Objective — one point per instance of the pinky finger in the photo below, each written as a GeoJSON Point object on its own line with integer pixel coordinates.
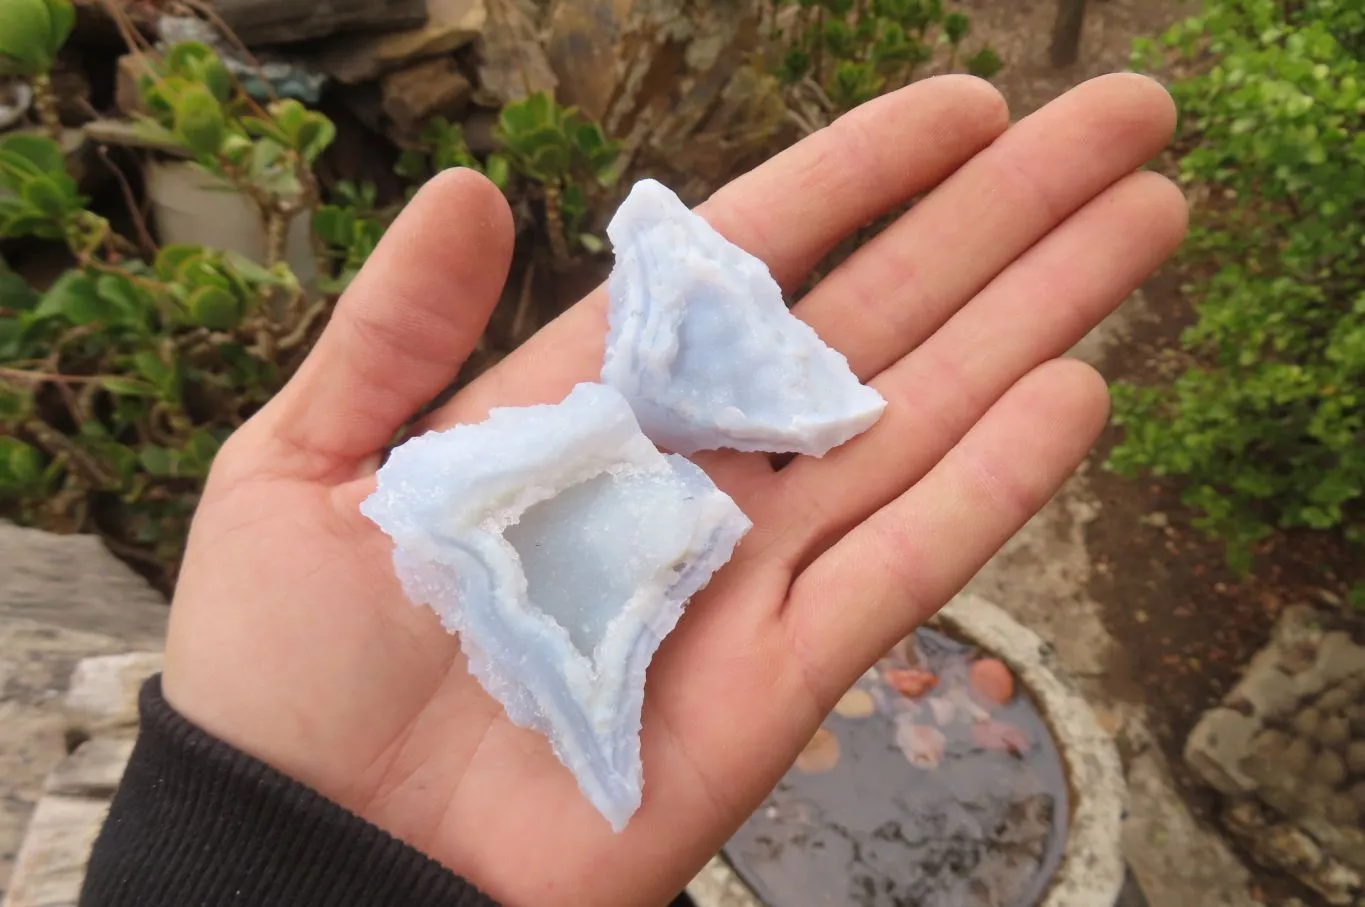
{"type": "Point", "coordinates": [891, 573]}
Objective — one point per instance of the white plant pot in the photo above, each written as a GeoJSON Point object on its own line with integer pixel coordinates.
{"type": "Point", "coordinates": [193, 206]}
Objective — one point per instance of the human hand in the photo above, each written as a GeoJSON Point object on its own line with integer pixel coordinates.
{"type": "Point", "coordinates": [290, 638]}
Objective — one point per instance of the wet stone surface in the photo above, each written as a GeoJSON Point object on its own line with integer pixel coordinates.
{"type": "Point", "coordinates": [921, 788]}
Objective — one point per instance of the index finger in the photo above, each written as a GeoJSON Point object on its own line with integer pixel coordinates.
{"type": "Point", "coordinates": [789, 212]}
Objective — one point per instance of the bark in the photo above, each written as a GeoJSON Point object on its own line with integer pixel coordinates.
{"type": "Point", "coordinates": [1066, 32]}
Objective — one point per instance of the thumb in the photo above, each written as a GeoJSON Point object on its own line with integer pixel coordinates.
{"type": "Point", "coordinates": [399, 333]}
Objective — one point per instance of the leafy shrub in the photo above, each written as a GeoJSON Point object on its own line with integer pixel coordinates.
{"type": "Point", "coordinates": [858, 50]}
{"type": "Point", "coordinates": [121, 380]}
{"type": "Point", "coordinates": [1266, 425]}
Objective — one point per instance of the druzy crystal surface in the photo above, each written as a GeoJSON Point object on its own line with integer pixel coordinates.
{"type": "Point", "coordinates": [561, 546]}
{"type": "Point", "coordinates": [704, 348]}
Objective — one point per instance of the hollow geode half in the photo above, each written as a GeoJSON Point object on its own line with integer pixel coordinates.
{"type": "Point", "coordinates": [705, 349]}
{"type": "Point", "coordinates": [561, 546]}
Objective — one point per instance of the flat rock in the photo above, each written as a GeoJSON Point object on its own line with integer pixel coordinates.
{"type": "Point", "coordinates": [450, 25]}
{"type": "Point", "coordinates": [510, 61]}
{"type": "Point", "coordinates": [419, 92]}
{"type": "Point", "coordinates": [675, 80]}
{"type": "Point", "coordinates": [94, 769]}
{"type": "Point", "coordinates": [51, 866]}
{"type": "Point", "coordinates": [1217, 746]}
{"type": "Point", "coordinates": [104, 691]}
{"type": "Point", "coordinates": [283, 21]}
{"type": "Point", "coordinates": [62, 599]}
{"type": "Point", "coordinates": [73, 582]}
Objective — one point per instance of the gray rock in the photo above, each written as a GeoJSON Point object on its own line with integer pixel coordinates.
{"type": "Point", "coordinates": [1339, 658]}
{"type": "Point", "coordinates": [282, 21]}
{"type": "Point", "coordinates": [511, 64]}
{"type": "Point", "coordinates": [51, 866]}
{"type": "Point", "coordinates": [73, 582]}
{"type": "Point", "coordinates": [1217, 746]}
{"type": "Point", "coordinates": [449, 26]}
{"type": "Point", "coordinates": [424, 90]}
{"type": "Point", "coordinates": [93, 770]}
{"type": "Point", "coordinates": [1355, 757]}
{"type": "Point", "coordinates": [62, 599]}
{"type": "Point", "coordinates": [104, 691]}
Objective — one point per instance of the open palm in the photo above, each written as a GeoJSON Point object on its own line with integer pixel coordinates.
{"type": "Point", "coordinates": [291, 639]}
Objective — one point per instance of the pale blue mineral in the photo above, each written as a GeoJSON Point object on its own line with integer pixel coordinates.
{"type": "Point", "coordinates": [561, 546]}
{"type": "Point", "coordinates": [704, 348]}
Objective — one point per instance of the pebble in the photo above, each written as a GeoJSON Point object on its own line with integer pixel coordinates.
{"type": "Point", "coordinates": [855, 703]}
{"type": "Point", "coordinates": [911, 682]}
{"type": "Point", "coordinates": [1343, 811]}
{"type": "Point", "coordinates": [1356, 714]}
{"type": "Point", "coordinates": [1358, 795]}
{"type": "Point", "coordinates": [1315, 798]}
{"type": "Point", "coordinates": [1328, 769]}
{"type": "Point", "coordinates": [1307, 721]}
{"type": "Point", "coordinates": [992, 681]}
{"type": "Point", "coordinates": [1334, 700]}
{"type": "Point", "coordinates": [1355, 757]}
{"type": "Point", "coordinates": [1297, 756]}
{"type": "Point", "coordinates": [821, 754]}
{"type": "Point", "coordinates": [1334, 731]}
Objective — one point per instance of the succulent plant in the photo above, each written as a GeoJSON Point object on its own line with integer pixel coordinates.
{"type": "Point", "coordinates": [31, 33]}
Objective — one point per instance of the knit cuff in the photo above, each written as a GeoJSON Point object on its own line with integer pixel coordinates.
{"type": "Point", "coordinates": [195, 821]}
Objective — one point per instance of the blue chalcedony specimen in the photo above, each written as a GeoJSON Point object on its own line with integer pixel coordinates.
{"type": "Point", "coordinates": [704, 348]}
{"type": "Point", "coordinates": [561, 546]}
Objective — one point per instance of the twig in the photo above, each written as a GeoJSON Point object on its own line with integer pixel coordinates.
{"type": "Point", "coordinates": [523, 303]}
{"type": "Point", "coordinates": [144, 236]}
{"type": "Point", "coordinates": [301, 330]}
{"type": "Point", "coordinates": [58, 444]}
{"type": "Point", "coordinates": [17, 374]}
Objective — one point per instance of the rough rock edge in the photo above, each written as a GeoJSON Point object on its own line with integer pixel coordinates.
{"type": "Point", "coordinates": [49, 867]}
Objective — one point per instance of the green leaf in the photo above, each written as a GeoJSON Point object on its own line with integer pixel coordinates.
{"type": "Point", "coordinates": [15, 404]}
{"type": "Point", "coordinates": [313, 136]}
{"type": "Point", "coordinates": [199, 120]}
{"type": "Point", "coordinates": [985, 63]}
{"type": "Point", "coordinates": [15, 293]}
{"type": "Point", "coordinates": [154, 369]}
{"type": "Point", "coordinates": [25, 38]}
{"type": "Point", "coordinates": [214, 308]}
{"type": "Point", "coordinates": [122, 296]}
{"type": "Point", "coordinates": [21, 465]}
{"type": "Point", "coordinates": [333, 225]}
{"type": "Point", "coordinates": [159, 461]}
{"type": "Point", "coordinates": [200, 449]}
{"type": "Point", "coordinates": [956, 26]}
{"type": "Point", "coordinates": [498, 171]}
{"type": "Point", "coordinates": [62, 14]}
{"type": "Point", "coordinates": [74, 297]}
{"type": "Point", "coordinates": [173, 257]}
{"type": "Point", "coordinates": [40, 153]}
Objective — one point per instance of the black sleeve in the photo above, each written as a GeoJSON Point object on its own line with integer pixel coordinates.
{"type": "Point", "coordinates": [197, 822]}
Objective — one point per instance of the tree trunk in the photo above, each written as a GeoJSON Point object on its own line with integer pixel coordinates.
{"type": "Point", "coordinates": [1066, 32]}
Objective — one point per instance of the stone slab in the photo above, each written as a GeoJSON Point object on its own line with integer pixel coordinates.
{"type": "Point", "coordinates": [51, 865]}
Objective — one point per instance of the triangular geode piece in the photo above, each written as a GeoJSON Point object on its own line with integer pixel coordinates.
{"type": "Point", "coordinates": [561, 546]}
{"type": "Point", "coordinates": [704, 348]}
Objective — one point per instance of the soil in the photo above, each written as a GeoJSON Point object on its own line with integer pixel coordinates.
{"type": "Point", "coordinates": [1188, 623]}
